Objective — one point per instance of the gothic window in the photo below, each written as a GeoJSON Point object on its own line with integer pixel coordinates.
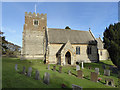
{"type": "Point", "coordinates": [35, 22]}
{"type": "Point", "coordinates": [89, 51]}
{"type": "Point", "coordinates": [78, 50]}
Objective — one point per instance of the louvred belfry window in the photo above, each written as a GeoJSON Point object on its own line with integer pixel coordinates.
{"type": "Point", "coordinates": [36, 22]}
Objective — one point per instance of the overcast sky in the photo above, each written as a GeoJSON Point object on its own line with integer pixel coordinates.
{"type": "Point", "coordinates": [76, 15]}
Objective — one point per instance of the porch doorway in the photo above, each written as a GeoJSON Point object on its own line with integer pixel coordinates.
{"type": "Point", "coordinates": [68, 58]}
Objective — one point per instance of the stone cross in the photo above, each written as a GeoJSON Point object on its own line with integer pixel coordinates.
{"type": "Point", "coordinates": [60, 69]}
{"type": "Point", "coordinates": [82, 65]}
{"type": "Point", "coordinates": [29, 72]}
{"type": "Point", "coordinates": [77, 67]}
{"type": "Point", "coordinates": [37, 75]}
{"type": "Point", "coordinates": [24, 72]}
{"type": "Point", "coordinates": [79, 74]}
{"type": "Point", "coordinates": [97, 70]}
{"type": "Point", "coordinates": [76, 87]}
{"type": "Point", "coordinates": [16, 67]}
{"type": "Point", "coordinates": [54, 68]}
{"type": "Point", "coordinates": [107, 72]}
{"type": "Point", "coordinates": [46, 78]}
{"type": "Point", "coordinates": [94, 77]}
{"type": "Point", "coordinates": [69, 72]}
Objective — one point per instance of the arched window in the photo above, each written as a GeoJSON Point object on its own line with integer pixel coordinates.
{"type": "Point", "coordinates": [78, 50]}
{"type": "Point", "coordinates": [89, 50]}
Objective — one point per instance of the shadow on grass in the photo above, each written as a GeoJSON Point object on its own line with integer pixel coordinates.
{"type": "Point", "coordinates": [86, 77]}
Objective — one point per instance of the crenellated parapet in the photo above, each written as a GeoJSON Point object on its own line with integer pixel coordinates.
{"type": "Point", "coordinates": [35, 15]}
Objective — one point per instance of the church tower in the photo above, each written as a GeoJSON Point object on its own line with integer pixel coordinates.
{"type": "Point", "coordinates": [33, 36]}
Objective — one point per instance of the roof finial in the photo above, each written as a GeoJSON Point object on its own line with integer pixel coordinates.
{"type": "Point", "coordinates": [35, 8]}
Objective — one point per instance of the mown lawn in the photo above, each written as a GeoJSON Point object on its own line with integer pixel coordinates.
{"type": "Point", "coordinates": [13, 79]}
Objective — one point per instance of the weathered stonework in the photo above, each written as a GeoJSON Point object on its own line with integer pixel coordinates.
{"type": "Point", "coordinates": [55, 46]}
{"type": "Point", "coordinates": [103, 53]}
{"type": "Point", "coordinates": [33, 36]}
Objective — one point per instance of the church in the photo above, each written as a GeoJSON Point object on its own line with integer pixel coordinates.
{"type": "Point", "coordinates": [54, 45]}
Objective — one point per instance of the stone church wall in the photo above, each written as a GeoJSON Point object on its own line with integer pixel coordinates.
{"type": "Point", "coordinates": [53, 49]}
{"type": "Point", "coordinates": [103, 54]}
{"type": "Point", "coordinates": [33, 36]}
{"type": "Point", "coordinates": [83, 53]}
{"type": "Point", "coordinates": [33, 45]}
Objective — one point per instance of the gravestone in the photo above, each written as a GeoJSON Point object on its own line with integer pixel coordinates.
{"type": "Point", "coordinates": [69, 72]}
{"type": "Point", "coordinates": [79, 74]}
{"type": "Point", "coordinates": [37, 75]}
{"type": "Point", "coordinates": [24, 71]}
{"type": "Point", "coordinates": [77, 67]}
{"type": "Point", "coordinates": [46, 78]}
{"type": "Point", "coordinates": [48, 66]}
{"type": "Point", "coordinates": [54, 68]}
{"type": "Point", "coordinates": [109, 81]}
{"type": "Point", "coordinates": [94, 77]}
{"type": "Point", "coordinates": [60, 69]}
{"type": "Point", "coordinates": [97, 70]}
{"type": "Point", "coordinates": [107, 72]}
{"type": "Point", "coordinates": [16, 67]}
{"type": "Point", "coordinates": [29, 72]}
{"type": "Point", "coordinates": [76, 87]}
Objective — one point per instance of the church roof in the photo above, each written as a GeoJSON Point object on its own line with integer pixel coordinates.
{"type": "Point", "coordinates": [74, 36]}
{"type": "Point", "coordinates": [99, 43]}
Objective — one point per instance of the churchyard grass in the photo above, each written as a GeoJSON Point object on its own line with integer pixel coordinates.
{"type": "Point", "coordinates": [13, 79]}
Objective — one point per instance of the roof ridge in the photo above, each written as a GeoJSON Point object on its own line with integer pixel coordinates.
{"type": "Point", "coordinates": [66, 29]}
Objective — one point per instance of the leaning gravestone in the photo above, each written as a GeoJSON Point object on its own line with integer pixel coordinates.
{"type": "Point", "coordinates": [76, 87]}
{"type": "Point", "coordinates": [37, 75]}
{"type": "Point", "coordinates": [29, 72]}
{"type": "Point", "coordinates": [60, 69]}
{"type": "Point", "coordinates": [77, 67]}
{"type": "Point", "coordinates": [16, 67]}
{"type": "Point", "coordinates": [69, 72]}
{"type": "Point", "coordinates": [48, 67]}
{"type": "Point", "coordinates": [107, 72]}
{"type": "Point", "coordinates": [54, 68]}
{"type": "Point", "coordinates": [79, 74]}
{"type": "Point", "coordinates": [46, 78]}
{"type": "Point", "coordinates": [24, 72]}
{"type": "Point", "coordinates": [94, 76]}
{"type": "Point", "coordinates": [97, 70]}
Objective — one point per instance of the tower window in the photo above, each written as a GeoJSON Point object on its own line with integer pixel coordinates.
{"type": "Point", "coordinates": [35, 22]}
